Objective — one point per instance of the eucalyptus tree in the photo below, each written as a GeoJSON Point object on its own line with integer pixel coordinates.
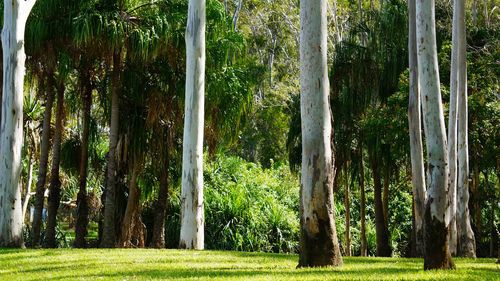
{"type": "Point", "coordinates": [415, 128]}
{"type": "Point", "coordinates": [465, 244]}
{"type": "Point", "coordinates": [16, 14]}
{"type": "Point", "coordinates": [436, 219]}
{"type": "Point", "coordinates": [192, 218]}
{"type": "Point", "coordinates": [318, 244]}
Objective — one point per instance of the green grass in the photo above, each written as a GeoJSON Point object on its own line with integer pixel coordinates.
{"type": "Point", "coordinates": [139, 264]}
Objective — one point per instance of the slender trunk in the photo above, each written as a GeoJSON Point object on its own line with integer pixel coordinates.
{"type": "Point", "coordinates": [42, 169]}
{"type": "Point", "coordinates": [158, 240]}
{"type": "Point", "coordinates": [237, 14]}
{"type": "Point", "coordinates": [132, 212]}
{"type": "Point", "coordinates": [415, 128]}
{"type": "Point", "coordinates": [452, 130]}
{"type": "Point", "coordinates": [466, 243]}
{"type": "Point", "coordinates": [318, 244]}
{"type": "Point", "coordinates": [347, 213]}
{"type": "Point", "coordinates": [192, 218]}
{"type": "Point", "coordinates": [82, 210]}
{"type": "Point", "coordinates": [476, 203]}
{"type": "Point", "coordinates": [382, 232]}
{"type": "Point", "coordinates": [55, 183]}
{"type": "Point", "coordinates": [28, 184]}
{"type": "Point", "coordinates": [364, 243]}
{"type": "Point", "coordinates": [385, 194]}
{"type": "Point", "coordinates": [16, 13]}
{"type": "Point", "coordinates": [109, 231]}
{"type": "Point", "coordinates": [436, 222]}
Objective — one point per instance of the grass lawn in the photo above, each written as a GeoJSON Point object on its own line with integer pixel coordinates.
{"type": "Point", "coordinates": [146, 264]}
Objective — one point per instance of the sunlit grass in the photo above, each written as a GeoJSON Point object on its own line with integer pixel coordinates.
{"type": "Point", "coordinates": [141, 264]}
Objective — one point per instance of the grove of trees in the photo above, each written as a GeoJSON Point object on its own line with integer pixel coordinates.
{"type": "Point", "coordinates": [320, 127]}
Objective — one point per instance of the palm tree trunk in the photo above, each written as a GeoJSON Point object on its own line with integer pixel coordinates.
{"type": "Point", "coordinates": [364, 243]}
{"type": "Point", "coordinates": [109, 231]}
{"type": "Point", "coordinates": [158, 240]}
{"type": "Point", "coordinates": [42, 169]}
{"type": "Point", "coordinates": [82, 213]}
{"type": "Point", "coordinates": [55, 183]}
{"type": "Point", "coordinates": [382, 232]}
{"type": "Point", "coordinates": [29, 180]}
{"type": "Point", "coordinates": [415, 128]}
{"type": "Point", "coordinates": [16, 13]}
{"type": "Point", "coordinates": [385, 194]}
{"type": "Point", "coordinates": [192, 234]}
{"type": "Point", "coordinates": [347, 213]}
{"type": "Point", "coordinates": [132, 212]}
{"type": "Point", "coordinates": [436, 254]}
{"type": "Point", "coordinates": [318, 244]}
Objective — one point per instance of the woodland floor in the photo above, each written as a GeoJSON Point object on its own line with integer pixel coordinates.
{"type": "Point", "coordinates": [147, 264]}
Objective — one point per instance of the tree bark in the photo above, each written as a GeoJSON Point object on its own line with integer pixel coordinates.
{"type": "Point", "coordinates": [55, 183]}
{"type": "Point", "coordinates": [436, 222]}
{"type": "Point", "coordinates": [192, 217]}
{"type": "Point", "coordinates": [415, 128]}
{"type": "Point", "coordinates": [109, 228]}
{"type": "Point", "coordinates": [385, 194]}
{"type": "Point", "coordinates": [131, 218]}
{"type": "Point", "coordinates": [452, 130]}
{"type": "Point", "coordinates": [347, 213]}
{"type": "Point", "coordinates": [382, 232]}
{"type": "Point", "coordinates": [466, 243]}
{"type": "Point", "coordinates": [82, 210]}
{"type": "Point", "coordinates": [158, 240]}
{"type": "Point", "coordinates": [364, 243]}
{"type": "Point", "coordinates": [318, 244]}
{"type": "Point", "coordinates": [16, 13]}
{"type": "Point", "coordinates": [42, 169]}
{"type": "Point", "coordinates": [29, 180]}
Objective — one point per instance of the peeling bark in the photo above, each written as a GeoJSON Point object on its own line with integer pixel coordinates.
{"type": "Point", "coordinates": [318, 244]}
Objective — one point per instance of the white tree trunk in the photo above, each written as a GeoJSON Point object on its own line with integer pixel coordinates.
{"type": "Point", "coordinates": [436, 218]}
{"type": "Point", "coordinates": [28, 186]}
{"type": "Point", "coordinates": [319, 244]}
{"type": "Point", "coordinates": [452, 132]}
{"type": "Point", "coordinates": [192, 217]}
{"type": "Point", "coordinates": [466, 240]}
{"type": "Point", "coordinates": [415, 121]}
{"type": "Point", "coordinates": [11, 128]}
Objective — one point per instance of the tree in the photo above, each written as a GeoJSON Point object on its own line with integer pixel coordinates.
{"type": "Point", "coordinates": [466, 244]}
{"type": "Point", "coordinates": [436, 254]}
{"type": "Point", "coordinates": [416, 147]}
{"type": "Point", "coordinates": [16, 13]}
{"type": "Point", "coordinates": [318, 243]}
{"type": "Point", "coordinates": [192, 218]}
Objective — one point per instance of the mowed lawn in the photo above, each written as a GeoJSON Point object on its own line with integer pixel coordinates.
{"type": "Point", "coordinates": [147, 264]}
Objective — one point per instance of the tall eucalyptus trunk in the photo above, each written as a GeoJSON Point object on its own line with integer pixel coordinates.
{"type": "Point", "coordinates": [452, 130]}
{"type": "Point", "coordinates": [42, 169]}
{"type": "Point", "coordinates": [192, 217]}
{"type": "Point", "coordinates": [15, 15]}
{"type": "Point", "coordinates": [466, 243]}
{"type": "Point", "coordinates": [109, 227]}
{"type": "Point", "coordinates": [318, 244]}
{"type": "Point", "coordinates": [82, 209]}
{"type": "Point", "coordinates": [55, 182]}
{"type": "Point", "coordinates": [436, 255]}
{"type": "Point", "coordinates": [415, 128]}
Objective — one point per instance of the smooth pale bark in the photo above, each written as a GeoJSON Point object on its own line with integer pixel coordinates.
{"type": "Point", "coordinates": [42, 169]}
{"type": "Point", "coordinates": [436, 254]}
{"type": "Point", "coordinates": [31, 164]}
{"type": "Point", "coordinates": [347, 213]}
{"type": "Point", "coordinates": [466, 244]}
{"type": "Point", "coordinates": [109, 230]}
{"type": "Point", "coordinates": [55, 182]}
{"type": "Point", "coordinates": [318, 244]}
{"type": "Point", "coordinates": [82, 210]}
{"type": "Point", "coordinates": [192, 217]}
{"type": "Point", "coordinates": [16, 13]}
{"type": "Point", "coordinates": [415, 128]}
{"type": "Point", "coordinates": [364, 242]}
{"type": "Point", "coordinates": [452, 131]}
